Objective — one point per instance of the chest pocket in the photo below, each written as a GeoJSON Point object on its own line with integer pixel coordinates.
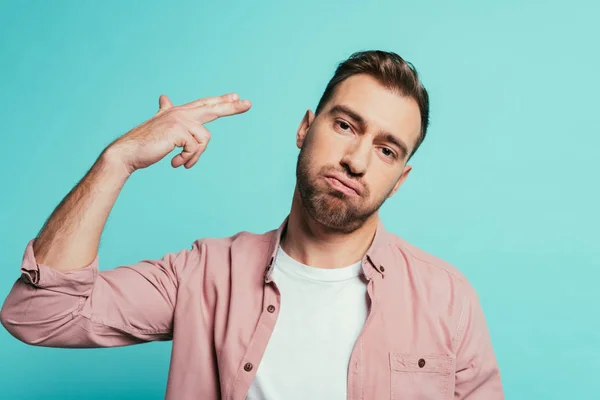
{"type": "Point", "coordinates": [421, 377]}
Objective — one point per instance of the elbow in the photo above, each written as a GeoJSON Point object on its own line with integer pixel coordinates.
{"type": "Point", "coordinates": [17, 329]}
{"type": "Point", "coordinates": [4, 319]}
{"type": "Point", "coordinates": [12, 326]}
{"type": "Point", "coordinates": [23, 324]}
{"type": "Point", "coordinates": [28, 332]}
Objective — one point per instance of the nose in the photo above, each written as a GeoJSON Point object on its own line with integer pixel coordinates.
{"type": "Point", "coordinates": [357, 157]}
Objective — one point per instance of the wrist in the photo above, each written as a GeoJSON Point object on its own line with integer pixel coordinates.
{"type": "Point", "coordinates": [111, 162]}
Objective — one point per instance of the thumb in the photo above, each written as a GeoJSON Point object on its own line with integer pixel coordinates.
{"type": "Point", "coordinates": [164, 103]}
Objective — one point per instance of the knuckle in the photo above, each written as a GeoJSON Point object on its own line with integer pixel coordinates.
{"type": "Point", "coordinates": [193, 145]}
{"type": "Point", "coordinates": [203, 140]}
{"type": "Point", "coordinates": [211, 114]}
{"type": "Point", "coordinates": [176, 113]}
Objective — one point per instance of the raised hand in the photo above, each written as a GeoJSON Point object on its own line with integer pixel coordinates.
{"type": "Point", "coordinates": [174, 126]}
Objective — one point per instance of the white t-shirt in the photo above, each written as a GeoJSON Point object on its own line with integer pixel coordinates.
{"type": "Point", "coordinates": [322, 313]}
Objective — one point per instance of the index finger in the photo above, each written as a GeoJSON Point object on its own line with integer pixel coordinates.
{"type": "Point", "coordinates": [210, 113]}
{"type": "Point", "coordinates": [212, 100]}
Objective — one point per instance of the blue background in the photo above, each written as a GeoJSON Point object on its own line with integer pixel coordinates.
{"type": "Point", "coordinates": [505, 186]}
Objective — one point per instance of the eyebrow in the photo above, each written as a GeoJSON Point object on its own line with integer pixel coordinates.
{"type": "Point", "coordinates": [359, 120]}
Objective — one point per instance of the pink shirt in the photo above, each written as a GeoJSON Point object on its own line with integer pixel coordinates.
{"type": "Point", "coordinates": [425, 336]}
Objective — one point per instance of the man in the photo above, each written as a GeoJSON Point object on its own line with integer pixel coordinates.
{"type": "Point", "coordinates": [328, 306]}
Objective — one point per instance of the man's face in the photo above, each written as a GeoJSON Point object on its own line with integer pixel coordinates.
{"type": "Point", "coordinates": [353, 154]}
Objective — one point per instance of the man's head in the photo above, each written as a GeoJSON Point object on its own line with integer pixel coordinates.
{"type": "Point", "coordinates": [369, 122]}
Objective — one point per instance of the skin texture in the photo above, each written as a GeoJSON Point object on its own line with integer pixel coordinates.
{"type": "Point", "coordinates": [328, 228]}
{"type": "Point", "coordinates": [70, 237]}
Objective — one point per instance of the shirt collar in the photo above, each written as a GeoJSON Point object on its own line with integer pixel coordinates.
{"type": "Point", "coordinates": [372, 262]}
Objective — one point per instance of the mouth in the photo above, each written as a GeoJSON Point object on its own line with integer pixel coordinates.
{"type": "Point", "coordinates": [340, 186]}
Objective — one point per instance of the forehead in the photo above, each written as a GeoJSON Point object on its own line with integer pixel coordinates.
{"type": "Point", "coordinates": [382, 108]}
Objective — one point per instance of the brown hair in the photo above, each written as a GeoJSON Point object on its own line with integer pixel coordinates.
{"type": "Point", "coordinates": [392, 71]}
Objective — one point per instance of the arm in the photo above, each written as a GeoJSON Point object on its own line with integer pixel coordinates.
{"type": "Point", "coordinates": [477, 372]}
{"type": "Point", "coordinates": [61, 299]}
{"type": "Point", "coordinates": [70, 238]}
{"type": "Point", "coordinates": [87, 308]}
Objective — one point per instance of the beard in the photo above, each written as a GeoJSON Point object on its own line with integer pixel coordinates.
{"type": "Point", "coordinates": [328, 206]}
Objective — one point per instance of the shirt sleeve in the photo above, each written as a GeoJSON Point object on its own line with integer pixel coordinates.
{"type": "Point", "coordinates": [87, 308]}
{"type": "Point", "coordinates": [477, 374]}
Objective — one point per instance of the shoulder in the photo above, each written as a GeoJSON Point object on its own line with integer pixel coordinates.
{"type": "Point", "coordinates": [220, 250]}
{"type": "Point", "coordinates": [430, 270]}
{"type": "Point", "coordinates": [239, 240]}
{"type": "Point", "coordinates": [212, 258]}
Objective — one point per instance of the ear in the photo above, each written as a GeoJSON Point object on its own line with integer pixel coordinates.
{"type": "Point", "coordinates": [305, 124]}
{"type": "Point", "coordinates": [407, 169]}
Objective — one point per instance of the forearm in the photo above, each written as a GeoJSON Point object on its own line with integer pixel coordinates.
{"type": "Point", "coordinates": [70, 237]}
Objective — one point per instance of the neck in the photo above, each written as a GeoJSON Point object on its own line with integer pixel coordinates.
{"type": "Point", "coordinates": [311, 243]}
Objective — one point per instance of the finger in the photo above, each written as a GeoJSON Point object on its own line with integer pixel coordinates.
{"type": "Point", "coordinates": [199, 132]}
{"type": "Point", "coordinates": [192, 161]}
{"type": "Point", "coordinates": [190, 146]}
{"type": "Point", "coordinates": [210, 113]}
{"type": "Point", "coordinates": [164, 103]}
{"type": "Point", "coordinates": [202, 135]}
{"type": "Point", "coordinates": [212, 100]}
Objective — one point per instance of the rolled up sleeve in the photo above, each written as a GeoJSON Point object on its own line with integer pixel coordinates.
{"type": "Point", "coordinates": [88, 308]}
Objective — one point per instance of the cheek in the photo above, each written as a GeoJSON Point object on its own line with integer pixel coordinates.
{"type": "Point", "coordinates": [324, 148]}
{"type": "Point", "coordinates": [380, 183]}
{"type": "Point", "coordinates": [338, 145]}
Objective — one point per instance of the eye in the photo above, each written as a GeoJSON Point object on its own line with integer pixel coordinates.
{"type": "Point", "coordinates": [343, 125]}
{"type": "Point", "coordinates": [388, 153]}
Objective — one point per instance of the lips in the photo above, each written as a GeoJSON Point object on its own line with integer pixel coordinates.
{"type": "Point", "coordinates": [343, 184]}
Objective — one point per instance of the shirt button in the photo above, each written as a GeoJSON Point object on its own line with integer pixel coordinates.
{"type": "Point", "coordinates": [271, 309]}
{"type": "Point", "coordinates": [248, 367]}
{"type": "Point", "coordinates": [381, 267]}
{"type": "Point", "coordinates": [421, 363]}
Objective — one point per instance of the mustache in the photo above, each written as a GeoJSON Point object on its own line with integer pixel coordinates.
{"type": "Point", "coordinates": [331, 170]}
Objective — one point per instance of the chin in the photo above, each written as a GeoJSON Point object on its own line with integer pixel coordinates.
{"type": "Point", "coordinates": [335, 214]}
